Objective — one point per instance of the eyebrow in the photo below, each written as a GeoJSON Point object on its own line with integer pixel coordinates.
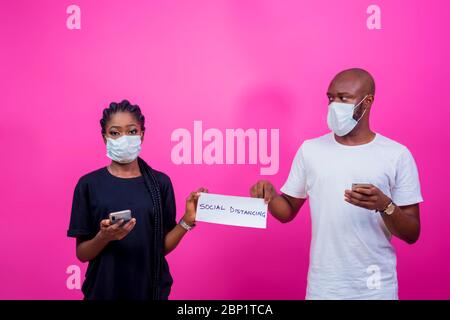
{"type": "Point", "coordinates": [340, 93]}
{"type": "Point", "coordinates": [128, 125]}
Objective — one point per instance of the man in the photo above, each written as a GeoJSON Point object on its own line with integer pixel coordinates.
{"type": "Point", "coordinates": [351, 254]}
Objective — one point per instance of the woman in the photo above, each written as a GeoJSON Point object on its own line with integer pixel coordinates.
{"type": "Point", "coordinates": [127, 260]}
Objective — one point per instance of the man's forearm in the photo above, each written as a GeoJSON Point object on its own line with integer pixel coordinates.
{"type": "Point", "coordinates": [281, 209]}
{"type": "Point", "coordinates": [402, 225]}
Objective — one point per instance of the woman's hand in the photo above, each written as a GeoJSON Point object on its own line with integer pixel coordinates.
{"type": "Point", "coordinates": [110, 232]}
{"type": "Point", "coordinates": [191, 206]}
{"type": "Point", "coordinates": [89, 249]}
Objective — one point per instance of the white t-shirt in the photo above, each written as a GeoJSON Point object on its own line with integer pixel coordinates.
{"type": "Point", "coordinates": [351, 256]}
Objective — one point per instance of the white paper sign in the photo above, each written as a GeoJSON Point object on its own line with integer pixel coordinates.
{"type": "Point", "coordinates": [232, 210]}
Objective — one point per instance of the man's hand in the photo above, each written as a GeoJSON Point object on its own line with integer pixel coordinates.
{"type": "Point", "coordinates": [370, 198]}
{"type": "Point", "coordinates": [263, 189]}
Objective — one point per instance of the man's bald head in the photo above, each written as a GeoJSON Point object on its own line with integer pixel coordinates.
{"type": "Point", "coordinates": [358, 79]}
{"type": "Point", "coordinates": [355, 86]}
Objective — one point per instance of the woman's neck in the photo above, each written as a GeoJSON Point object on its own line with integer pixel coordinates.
{"type": "Point", "coordinates": [124, 170]}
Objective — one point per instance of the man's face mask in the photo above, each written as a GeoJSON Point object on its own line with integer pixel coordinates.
{"type": "Point", "coordinates": [124, 149]}
{"type": "Point", "coordinates": [340, 117]}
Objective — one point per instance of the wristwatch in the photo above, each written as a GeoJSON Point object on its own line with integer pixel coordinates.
{"type": "Point", "coordinates": [390, 208]}
{"type": "Point", "coordinates": [185, 225]}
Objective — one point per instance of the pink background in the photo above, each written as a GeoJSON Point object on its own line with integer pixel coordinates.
{"type": "Point", "coordinates": [250, 64]}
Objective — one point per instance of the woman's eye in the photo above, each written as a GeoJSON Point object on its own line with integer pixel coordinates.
{"type": "Point", "coordinates": [134, 131]}
{"type": "Point", "coordinates": [114, 133]}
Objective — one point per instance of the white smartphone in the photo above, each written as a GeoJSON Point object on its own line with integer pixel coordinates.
{"type": "Point", "coordinates": [124, 215]}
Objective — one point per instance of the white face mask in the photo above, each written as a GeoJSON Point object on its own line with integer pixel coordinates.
{"type": "Point", "coordinates": [340, 117]}
{"type": "Point", "coordinates": [124, 149]}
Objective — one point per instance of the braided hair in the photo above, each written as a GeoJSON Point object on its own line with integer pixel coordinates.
{"type": "Point", "coordinates": [123, 106]}
{"type": "Point", "coordinates": [153, 188]}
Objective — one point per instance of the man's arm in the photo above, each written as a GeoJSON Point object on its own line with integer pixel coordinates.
{"type": "Point", "coordinates": [404, 222]}
{"type": "Point", "coordinates": [283, 207]}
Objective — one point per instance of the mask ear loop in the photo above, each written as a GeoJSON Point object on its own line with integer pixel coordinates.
{"type": "Point", "coordinates": [359, 105]}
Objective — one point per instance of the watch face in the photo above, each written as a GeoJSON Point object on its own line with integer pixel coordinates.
{"type": "Point", "coordinates": [390, 209]}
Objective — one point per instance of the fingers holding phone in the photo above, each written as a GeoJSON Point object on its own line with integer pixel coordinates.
{"type": "Point", "coordinates": [366, 196]}
{"type": "Point", "coordinates": [118, 226]}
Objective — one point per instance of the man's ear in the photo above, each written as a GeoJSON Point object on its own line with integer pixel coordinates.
{"type": "Point", "coordinates": [369, 100]}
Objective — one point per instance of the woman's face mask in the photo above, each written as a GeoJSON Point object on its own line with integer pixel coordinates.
{"type": "Point", "coordinates": [340, 117]}
{"type": "Point", "coordinates": [124, 149]}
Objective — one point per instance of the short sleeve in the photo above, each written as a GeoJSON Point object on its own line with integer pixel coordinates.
{"type": "Point", "coordinates": [81, 223]}
{"type": "Point", "coordinates": [295, 185]}
{"type": "Point", "coordinates": [168, 207]}
{"type": "Point", "coordinates": [406, 189]}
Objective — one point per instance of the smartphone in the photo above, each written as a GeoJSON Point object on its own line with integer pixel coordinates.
{"type": "Point", "coordinates": [124, 215]}
{"type": "Point", "coordinates": [360, 185]}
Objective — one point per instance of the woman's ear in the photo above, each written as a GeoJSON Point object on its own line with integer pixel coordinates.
{"type": "Point", "coordinates": [104, 138]}
{"type": "Point", "coordinates": [142, 136]}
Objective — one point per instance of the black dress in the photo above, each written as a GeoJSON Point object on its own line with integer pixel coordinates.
{"type": "Point", "coordinates": [123, 269]}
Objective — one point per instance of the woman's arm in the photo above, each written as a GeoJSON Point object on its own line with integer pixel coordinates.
{"type": "Point", "coordinates": [89, 249]}
{"type": "Point", "coordinates": [174, 236]}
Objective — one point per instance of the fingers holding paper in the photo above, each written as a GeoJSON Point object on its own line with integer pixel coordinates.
{"type": "Point", "coordinates": [263, 189]}
{"type": "Point", "coordinates": [191, 206]}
